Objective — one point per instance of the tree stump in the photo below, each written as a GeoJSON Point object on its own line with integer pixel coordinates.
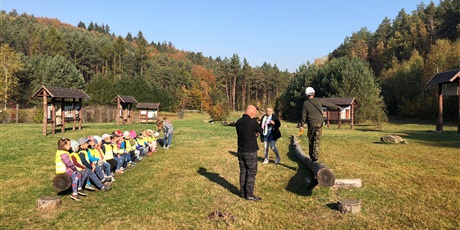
{"type": "Point", "coordinates": [62, 182]}
{"type": "Point", "coordinates": [349, 206]}
{"type": "Point", "coordinates": [48, 202]}
{"type": "Point", "coordinates": [322, 173]}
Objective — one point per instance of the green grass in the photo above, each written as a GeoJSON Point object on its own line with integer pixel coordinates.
{"type": "Point", "coordinates": [404, 186]}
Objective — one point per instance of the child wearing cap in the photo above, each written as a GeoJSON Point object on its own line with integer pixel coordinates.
{"type": "Point", "coordinates": [94, 171]}
{"type": "Point", "coordinates": [96, 151]}
{"type": "Point", "coordinates": [126, 149]}
{"type": "Point", "coordinates": [135, 147]}
{"type": "Point", "coordinates": [65, 165]}
{"type": "Point", "coordinates": [80, 167]}
{"type": "Point", "coordinates": [116, 141]}
{"type": "Point", "coordinates": [140, 139]}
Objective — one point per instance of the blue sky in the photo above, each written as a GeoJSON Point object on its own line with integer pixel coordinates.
{"type": "Point", "coordinates": [286, 33]}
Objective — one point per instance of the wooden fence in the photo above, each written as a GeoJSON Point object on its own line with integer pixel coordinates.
{"type": "Point", "coordinates": [16, 113]}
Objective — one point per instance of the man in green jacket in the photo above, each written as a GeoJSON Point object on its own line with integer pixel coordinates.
{"type": "Point", "coordinates": [312, 114]}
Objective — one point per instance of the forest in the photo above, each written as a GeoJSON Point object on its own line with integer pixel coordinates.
{"type": "Point", "coordinates": [377, 68]}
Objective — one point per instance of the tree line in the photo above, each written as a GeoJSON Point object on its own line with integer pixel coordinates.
{"type": "Point", "coordinates": [386, 71]}
{"type": "Point", "coordinates": [56, 54]}
{"type": "Point", "coordinates": [404, 53]}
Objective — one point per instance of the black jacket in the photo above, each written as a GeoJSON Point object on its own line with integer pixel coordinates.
{"type": "Point", "coordinates": [276, 127]}
{"type": "Point", "coordinates": [246, 129]}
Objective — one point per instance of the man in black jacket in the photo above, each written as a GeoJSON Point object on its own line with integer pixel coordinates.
{"type": "Point", "coordinates": [248, 130]}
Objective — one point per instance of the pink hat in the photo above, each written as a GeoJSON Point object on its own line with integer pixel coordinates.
{"type": "Point", "coordinates": [132, 133]}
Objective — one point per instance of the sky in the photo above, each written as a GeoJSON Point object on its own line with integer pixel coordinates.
{"type": "Point", "coordinates": [287, 33]}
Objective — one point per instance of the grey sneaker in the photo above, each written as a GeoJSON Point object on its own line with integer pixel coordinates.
{"type": "Point", "coordinates": [90, 187]}
{"type": "Point", "coordinates": [81, 193]}
{"type": "Point", "coordinates": [105, 188]}
{"type": "Point", "coordinates": [277, 160]}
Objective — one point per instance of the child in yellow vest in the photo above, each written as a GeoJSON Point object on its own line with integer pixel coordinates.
{"type": "Point", "coordinates": [65, 165]}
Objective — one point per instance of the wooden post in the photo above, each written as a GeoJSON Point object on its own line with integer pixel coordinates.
{"type": "Point", "coordinates": [74, 115]}
{"type": "Point", "coordinates": [458, 98]}
{"type": "Point", "coordinates": [53, 117]}
{"type": "Point", "coordinates": [124, 113]}
{"type": "Point", "coordinates": [340, 118]}
{"type": "Point", "coordinates": [440, 112]}
{"type": "Point", "coordinates": [119, 113]}
{"type": "Point", "coordinates": [80, 114]}
{"type": "Point", "coordinates": [321, 172]}
{"type": "Point", "coordinates": [17, 113]}
{"type": "Point", "coordinates": [45, 112]}
{"type": "Point", "coordinates": [130, 113]}
{"type": "Point", "coordinates": [62, 116]}
{"type": "Point", "coordinates": [352, 116]}
{"type": "Point", "coordinates": [327, 118]}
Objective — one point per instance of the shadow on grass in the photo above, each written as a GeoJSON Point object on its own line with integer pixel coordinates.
{"type": "Point", "coordinates": [216, 178]}
{"type": "Point", "coordinates": [58, 130]}
{"type": "Point", "coordinates": [262, 159]}
{"type": "Point", "coordinates": [332, 206]}
{"type": "Point", "coordinates": [65, 192]}
{"type": "Point", "coordinates": [298, 183]}
{"type": "Point", "coordinates": [448, 139]}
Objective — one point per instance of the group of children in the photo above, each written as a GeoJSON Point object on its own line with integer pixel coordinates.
{"type": "Point", "coordinates": [91, 162]}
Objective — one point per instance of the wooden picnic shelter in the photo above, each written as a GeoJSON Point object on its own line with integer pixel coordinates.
{"type": "Point", "coordinates": [65, 106]}
{"type": "Point", "coordinates": [346, 112]}
{"type": "Point", "coordinates": [124, 108]}
{"type": "Point", "coordinates": [448, 85]}
{"type": "Point", "coordinates": [148, 112]}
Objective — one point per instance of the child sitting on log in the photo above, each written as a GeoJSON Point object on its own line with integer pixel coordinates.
{"type": "Point", "coordinates": [65, 165]}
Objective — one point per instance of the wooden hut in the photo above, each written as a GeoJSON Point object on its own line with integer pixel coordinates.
{"type": "Point", "coordinates": [448, 85]}
{"type": "Point", "coordinates": [148, 112]}
{"type": "Point", "coordinates": [65, 106]}
{"type": "Point", "coordinates": [124, 108]}
{"type": "Point", "coordinates": [346, 113]}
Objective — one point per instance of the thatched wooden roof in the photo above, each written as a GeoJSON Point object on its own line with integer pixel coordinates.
{"type": "Point", "coordinates": [125, 99]}
{"type": "Point", "coordinates": [341, 101]}
{"type": "Point", "coordinates": [56, 92]}
{"type": "Point", "coordinates": [148, 105]}
{"type": "Point", "coordinates": [445, 77]}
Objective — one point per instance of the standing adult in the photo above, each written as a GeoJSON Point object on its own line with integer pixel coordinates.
{"type": "Point", "coordinates": [312, 114]}
{"type": "Point", "coordinates": [271, 126]}
{"type": "Point", "coordinates": [248, 130]}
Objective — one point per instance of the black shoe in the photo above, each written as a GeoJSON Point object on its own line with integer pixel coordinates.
{"type": "Point", "coordinates": [253, 198]}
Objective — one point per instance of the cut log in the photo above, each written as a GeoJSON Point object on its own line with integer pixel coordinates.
{"type": "Point", "coordinates": [349, 205]}
{"type": "Point", "coordinates": [62, 182]}
{"type": "Point", "coordinates": [48, 202]}
{"type": "Point", "coordinates": [347, 183]}
{"type": "Point", "coordinates": [321, 172]}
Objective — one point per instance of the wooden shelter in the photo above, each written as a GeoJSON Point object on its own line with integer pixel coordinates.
{"type": "Point", "coordinates": [62, 108]}
{"type": "Point", "coordinates": [448, 85]}
{"type": "Point", "coordinates": [346, 113]}
{"type": "Point", "coordinates": [124, 109]}
{"type": "Point", "coordinates": [148, 112]}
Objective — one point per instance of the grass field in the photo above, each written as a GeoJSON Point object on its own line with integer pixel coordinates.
{"type": "Point", "coordinates": [414, 186]}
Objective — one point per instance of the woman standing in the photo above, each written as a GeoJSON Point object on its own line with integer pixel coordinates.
{"type": "Point", "coordinates": [271, 126]}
